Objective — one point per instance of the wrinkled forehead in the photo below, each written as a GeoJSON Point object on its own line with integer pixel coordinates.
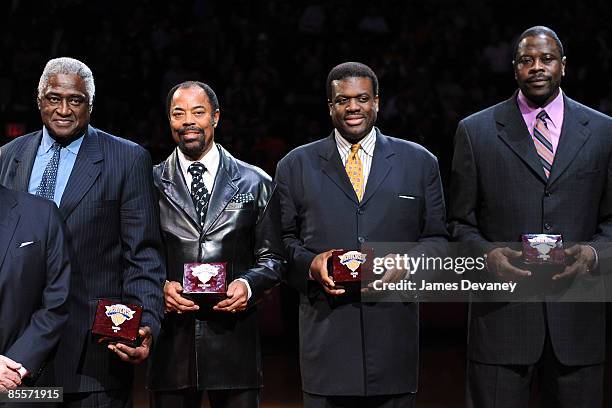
{"type": "Point", "coordinates": [66, 84]}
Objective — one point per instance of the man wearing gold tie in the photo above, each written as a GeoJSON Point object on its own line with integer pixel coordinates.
{"type": "Point", "coordinates": [353, 187]}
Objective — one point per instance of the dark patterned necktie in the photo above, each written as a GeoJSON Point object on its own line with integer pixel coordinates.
{"type": "Point", "coordinates": [199, 192]}
{"type": "Point", "coordinates": [543, 143]}
{"type": "Point", "coordinates": [46, 188]}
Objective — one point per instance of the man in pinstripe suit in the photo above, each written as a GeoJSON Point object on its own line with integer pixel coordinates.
{"type": "Point", "coordinates": [103, 187]}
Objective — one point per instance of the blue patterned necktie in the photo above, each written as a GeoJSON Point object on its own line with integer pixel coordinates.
{"type": "Point", "coordinates": [199, 192]}
{"type": "Point", "coordinates": [46, 188]}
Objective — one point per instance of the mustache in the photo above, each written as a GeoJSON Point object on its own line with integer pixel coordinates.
{"type": "Point", "coordinates": [538, 78]}
{"type": "Point", "coordinates": [184, 130]}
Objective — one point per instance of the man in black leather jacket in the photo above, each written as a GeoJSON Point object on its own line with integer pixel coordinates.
{"type": "Point", "coordinates": [213, 208]}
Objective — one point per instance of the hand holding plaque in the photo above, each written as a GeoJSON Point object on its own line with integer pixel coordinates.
{"type": "Point", "coordinates": [117, 322]}
{"type": "Point", "coordinates": [318, 271]}
{"type": "Point", "coordinates": [205, 282]}
{"type": "Point", "coordinates": [499, 263]}
{"type": "Point", "coordinates": [174, 301]}
{"type": "Point", "coordinates": [584, 260]}
{"type": "Point", "coordinates": [137, 354]}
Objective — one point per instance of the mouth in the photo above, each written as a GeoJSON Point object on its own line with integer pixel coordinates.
{"type": "Point", "coordinates": [354, 120]}
{"type": "Point", "coordinates": [62, 122]}
{"type": "Point", "coordinates": [191, 134]}
{"type": "Point", "coordinates": [538, 81]}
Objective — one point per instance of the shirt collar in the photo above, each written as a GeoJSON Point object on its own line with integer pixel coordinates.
{"type": "Point", "coordinates": [554, 109]}
{"type": "Point", "coordinates": [367, 143]}
{"type": "Point", "coordinates": [47, 142]}
{"type": "Point", "coordinates": [210, 160]}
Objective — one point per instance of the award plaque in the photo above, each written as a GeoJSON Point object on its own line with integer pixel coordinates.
{"type": "Point", "coordinates": [349, 266]}
{"type": "Point", "coordinates": [117, 322]}
{"type": "Point", "coordinates": [205, 281]}
{"type": "Point", "coordinates": [543, 249]}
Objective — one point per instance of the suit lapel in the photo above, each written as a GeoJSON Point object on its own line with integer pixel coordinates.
{"type": "Point", "coordinates": [513, 131]}
{"type": "Point", "coordinates": [8, 221]}
{"type": "Point", "coordinates": [23, 162]}
{"type": "Point", "coordinates": [224, 189]}
{"type": "Point", "coordinates": [331, 166]}
{"type": "Point", "coordinates": [86, 170]}
{"type": "Point", "coordinates": [381, 165]}
{"type": "Point", "coordinates": [176, 189]}
{"type": "Point", "coordinates": [574, 135]}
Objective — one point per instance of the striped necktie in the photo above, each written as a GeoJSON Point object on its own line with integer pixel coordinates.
{"type": "Point", "coordinates": [542, 140]}
{"type": "Point", "coordinates": [354, 169]}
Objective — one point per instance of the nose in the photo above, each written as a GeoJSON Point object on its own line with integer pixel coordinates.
{"type": "Point", "coordinates": [64, 109]}
{"type": "Point", "coordinates": [188, 121]}
{"type": "Point", "coordinates": [353, 105]}
{"type": "Point", "coordinates": [537, 65]}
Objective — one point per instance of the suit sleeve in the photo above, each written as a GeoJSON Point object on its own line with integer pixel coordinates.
{"type": "Point", "coordinates": [463, 222]}
{"type": "Point", "coordinates": [144, 271]}
{"type": "Point", "coordinates": [268, 249]}
{"type": "Point", "coordinates": [298, 257]}
{"type": "Point", "coordinates": [433, 238]}
{"type": "Point", "coordinates": [603, 236]}
{"type": "Point", "coordinates": [41, 336]}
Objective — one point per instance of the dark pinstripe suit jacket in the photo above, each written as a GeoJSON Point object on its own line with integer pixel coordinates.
{"type": "Point", "coordinates": [112, 220]}
{"type": "Point", "coordinates": [499, 191]}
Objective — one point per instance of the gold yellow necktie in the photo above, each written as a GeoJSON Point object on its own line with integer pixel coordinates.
{"type": "Point", "coordinates": [354, 169]}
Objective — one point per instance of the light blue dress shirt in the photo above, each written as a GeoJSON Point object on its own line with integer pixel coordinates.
{"type": "Point", "coordinates": [68, 157]}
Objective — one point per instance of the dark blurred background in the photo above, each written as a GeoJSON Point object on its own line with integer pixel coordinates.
{"type": "Point", "coordinates": [437, 61]}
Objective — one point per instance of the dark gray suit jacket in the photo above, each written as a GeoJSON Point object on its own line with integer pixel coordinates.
{"type": "Point", "coordinates": [34, 278]}
{"type": "Point", "coordinates": [209, 349]}
{"type": "Point", "coordinates": [499, 191]}
{"type": "Point", "coordinates": [355, 348]}
{"type": "Point", "coordinates": [112, 220]}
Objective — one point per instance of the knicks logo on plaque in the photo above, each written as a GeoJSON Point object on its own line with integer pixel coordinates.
{"type": "Point", "coordinates": [352, 260]}
{"type": "Point", "coordinates": [119, 313]}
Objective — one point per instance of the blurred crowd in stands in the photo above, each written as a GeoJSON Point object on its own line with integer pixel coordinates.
{"type": "Point", "coordinates": [437, 61]}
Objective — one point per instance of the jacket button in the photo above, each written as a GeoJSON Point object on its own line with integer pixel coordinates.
{"type": "Point", "coordinates": [359, 211]}
{"type": "Point", "coordinates": [547, 193]}
{"type": "Point", "coordinates": [547, 227]}
{"type": "Point", "coordinates": [361, 240]}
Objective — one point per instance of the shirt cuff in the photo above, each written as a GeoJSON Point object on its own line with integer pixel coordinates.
{"type": "Point", "coordinates": [22, 372]}
{"type": "Point", "coordinates": [248, 287]}
{"type": "Point", "coordinates": [596, 263]}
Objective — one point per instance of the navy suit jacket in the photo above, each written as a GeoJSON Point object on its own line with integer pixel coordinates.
{"type": "Point", "coordinates": [357, 348]}
{"type": "Point", "coordinates": [34, 278]}
{"type": "Point", "coordinates": [111, 216]}
{"type": "Point", "coordinates": [499, 191]}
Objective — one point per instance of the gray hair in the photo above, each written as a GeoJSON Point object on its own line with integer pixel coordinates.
{"type": "Point", "coordinates": [67, 66]}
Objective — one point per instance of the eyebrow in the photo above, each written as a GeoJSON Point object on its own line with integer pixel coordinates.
{"type": "Point", "coordinates": [195, 107]}
{"type": "Point", "coordinates": [357, 96]}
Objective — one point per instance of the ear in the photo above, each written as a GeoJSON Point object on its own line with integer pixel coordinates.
{"type": "Point", "coordinates": [376, 103]}
{"type": "Point", "coordinates": [216, 117]}
{"type": "Point", "coordinates": [330, 106]}
{"type": "Point", "coordinates": [38, 102]}
{"type": "Point", "coordinates": [563, 61]}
